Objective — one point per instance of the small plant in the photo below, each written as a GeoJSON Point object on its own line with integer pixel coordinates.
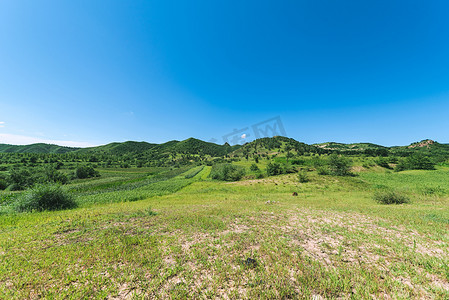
{"type": "Point", "coordinates": [390, 197]}
{"type": "Point", "coordinates": [44, 197]}
{"type": "Point", "coordinates": [302, 177]}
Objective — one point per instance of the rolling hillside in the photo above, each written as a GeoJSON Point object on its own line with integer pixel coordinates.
{"type": "Point", "coordinates": [261, 146]}
{"type": "Point", "coordinates": [35, 148]}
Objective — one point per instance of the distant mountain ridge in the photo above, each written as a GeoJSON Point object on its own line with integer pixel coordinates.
{"type": "Point", "coordinates": [352, 146]}
{"type": "Point", "coordinates": [36, 148]}
{"type": "Point", "coordinates": [188, 146]}
{"type": "Point", "coordinates": [196, 146]}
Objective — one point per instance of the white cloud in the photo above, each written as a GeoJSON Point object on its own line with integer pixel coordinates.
{"type": "Point", "coordinates": [2, 124]}
{"type": "Point", "coordinates": [243, 136]}
{"type": "Point", "coordinates": [14, 139]}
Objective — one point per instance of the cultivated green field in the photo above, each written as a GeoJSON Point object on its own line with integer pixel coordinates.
{"type": "Point", "coordinates": [176, 233]}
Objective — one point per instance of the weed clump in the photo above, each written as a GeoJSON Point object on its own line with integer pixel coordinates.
{"type": "Point", "coordinates": [390, 197]}
{"type": "Point", "coordinates": [45, 197]}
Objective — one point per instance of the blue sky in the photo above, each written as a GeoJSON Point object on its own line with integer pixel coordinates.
{"type": "Point", "coordinates": [93, 72]}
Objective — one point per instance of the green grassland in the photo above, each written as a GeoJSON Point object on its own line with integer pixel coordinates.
{"type": "Point", "coordinates": [172, 232]}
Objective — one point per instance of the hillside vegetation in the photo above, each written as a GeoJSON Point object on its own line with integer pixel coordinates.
{"type": "Point", "coordinates": [272, 219]}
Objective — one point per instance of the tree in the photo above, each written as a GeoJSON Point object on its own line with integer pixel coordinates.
{"type": "Point", "coordinates": [288, 148]}
{"type": "Point", "coordinates": [227, 172]}
{"type": "Point", "coordinates": [416, 161]}
{"type": "Point", "coordinates": [254, 168]}
{"type": "Point", "coordinates": [339, 165]}
{"type": "Point", "coordinates": [86, 172]}
{"type": "Point", "coordinates": [274, 169]}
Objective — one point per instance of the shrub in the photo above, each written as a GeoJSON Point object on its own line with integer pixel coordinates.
{"type": "Point", "coordinates": [274, 169]}
{"type": "Point", "coordinates": [323, 170]}
{"type": "Point", "coordinates": [416, 161]}
{"type": "Point", "coordinates": [86, 172]}
{"type": "Point", "coordinates": [227, 172]}
{"type": "Point", "coordinates": [19, 179]}
{"type": "Point", "coordinates": [339, 165]}
{"type": "Point", "coordinates": [302, 177]}
{"type": "Point", "coordinates": [259, 175]}
{"type": "Point", "coordinates": [390, 197]}
{"type": "Point", "coordinates": [3, 184]}
{"type": "Point", "coordinates": [254, 168]}
{"type": "Point", "coordinates": [383, 162]}
{"type": "Point", "coordinates": [44, 197]}
{"type": "Point", "coordinates": [52, 175]}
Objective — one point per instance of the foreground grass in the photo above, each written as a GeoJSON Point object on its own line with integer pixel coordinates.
{"type": "Point", "coordinates": [331, 241]}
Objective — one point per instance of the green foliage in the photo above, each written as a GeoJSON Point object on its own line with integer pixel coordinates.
{"type": "Point", "coordinates": [194, 172]}
{"type": "Point", "coordinates": [3, 184]}
{"type": "Point", "coordinates": [383, 162]}
{"type": "Point", "coordinates": [86, 172]}
{"type": "Point", "coordinates": [273, 169]}
{"type": "Point", "coordinates": [227, 172]}
{"type": "Point", "coordinates": [339, 165]}
{"type": "Point", "coordinates": [323, 170]}
{"type": "Point", "coordinates": [254, 168]}
{"type": "Point", "coordinates": [54, 176]}
{"type": "Point", "coordinates": [44, 197]}
{"type": "Point", "coordinates": [416, 161]}
{"type": "Point", "coordinates": [303, 177]}
{"type": "Point", "coordinates": [35, 148]}
{"type": "Point", "coordinates": [390, 197]}
{"type": "Point", "coordinates": [20, 179]}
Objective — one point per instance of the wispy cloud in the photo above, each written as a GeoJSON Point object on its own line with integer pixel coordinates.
{"type": "Point", "coordinates": [14, 139]}
{"type": "Point", "coordinates": [2, 124]}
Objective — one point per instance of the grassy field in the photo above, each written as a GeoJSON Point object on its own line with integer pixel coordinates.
{"type": "Point", "coordinates": [177, 234]}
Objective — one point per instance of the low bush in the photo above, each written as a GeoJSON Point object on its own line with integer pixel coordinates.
{"type": "Point", "coordinates": [274, 169]}
{"type": "Point", "coordinates": [44, 197]}
{"type": "Point", "coordinates": [339, 165]}
{"type": "Point", "coordinates": [86, 172]}
{"type": "Point", "coordinates": [227, 172]}
{"type": "Point", "coordinates": [390, 197]}
{"type": "Point", "coordinates": [302, 177]}
{"type": "Point", "coordinates": [416, 161]}
{"type": "Point", "coordinates": [3, 184]}
{"type": "Point", "coordinates": [254, 168]}
{"type": "Point", "coordinates": [323, 170]}
{"type": "Point", "coordinates": [383, 162]}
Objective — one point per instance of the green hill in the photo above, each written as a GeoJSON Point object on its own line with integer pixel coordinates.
{"type": "Point", "coordinates": [263, 146]}
{"type": "Point", "coordinates": [195, 146]}
{"type": "Point", "coordinates": [119, 148]}
{"type": "Point", "coordinates": [428, 147]}
{"type": "Point", "coordinates": [35, 148]}
{"type": "Point", "coordinates": [274, 145]}
{"type": "Point", "coordinates": [349, 147]}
